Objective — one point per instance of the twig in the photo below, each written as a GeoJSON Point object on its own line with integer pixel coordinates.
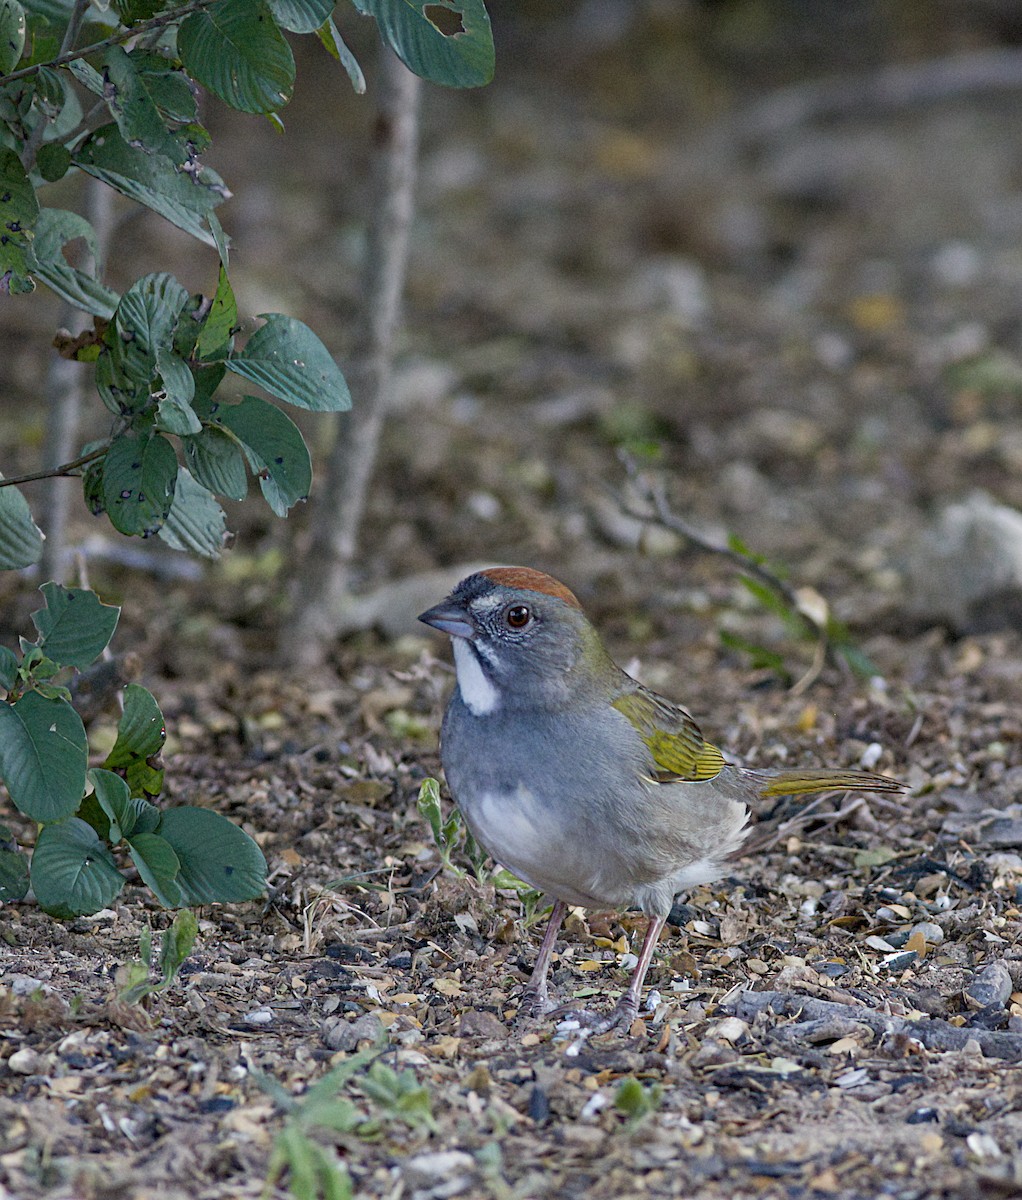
{"type": "Point", "coordinates": [934, 1033]}
{"type": "Point", "coordinates": [67, 468]}
{"type": "Point", "coordinates": [115, 39]}
{"type": "Point", "coordinates": [654, 493]}
{"type": "Point", "coordinates": [323, 577]}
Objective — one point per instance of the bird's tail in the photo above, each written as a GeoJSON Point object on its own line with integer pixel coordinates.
{"type": "Point", "coordinates": [805, 783]}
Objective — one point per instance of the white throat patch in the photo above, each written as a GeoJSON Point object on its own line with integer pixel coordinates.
{"type": "Point", "coordinates": [479, 694]}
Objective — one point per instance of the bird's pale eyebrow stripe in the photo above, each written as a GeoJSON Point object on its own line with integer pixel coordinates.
{"type": "Point", "coordinates": [533, 581]}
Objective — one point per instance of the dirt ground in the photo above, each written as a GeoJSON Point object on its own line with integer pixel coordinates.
{"type": "Point", "coordinates": [804, 318]}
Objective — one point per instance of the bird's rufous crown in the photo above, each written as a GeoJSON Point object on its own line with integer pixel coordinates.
{"type": "Point", "coordinates": [533, 581]}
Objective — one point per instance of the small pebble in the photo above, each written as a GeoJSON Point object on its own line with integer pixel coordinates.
{"type": "Point", "coordinates": [25, 1062]}
{"type": "Point", "coordinates": [259, 1016]}
{"type": "Point", "coordinates": [731, 1029]}
{"type": "Point", "coordinates": [479, 1023]}
{"type": "Point", "coordinates": [450, 1166]}
{"type": "Point", "coordinates": [339, 1034]}
{"type": "Point", "coordinates": [992, 986]}
{"type": "Point", "coordinates": [933, 933]}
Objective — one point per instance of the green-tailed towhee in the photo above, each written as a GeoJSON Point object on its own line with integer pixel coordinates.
{"type": "Point", "coordinates": [578, 779]}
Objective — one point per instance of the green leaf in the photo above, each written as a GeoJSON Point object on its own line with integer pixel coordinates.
{"type": "Point", "coordinates": [140, 738]}
{"type": "Point", "coordinates": [148, 313]}
{"type": "Point", "coordinates": [168, 86]}
{"type": "Point", "coordinates": [75, 627]}
{"type": "Point", "coordinates": [54, 230]}
{"type": "Point", "coordinates": [236, 50]}
{"type": "Point", "coordinates": [73, 873]}
{"type": "Point", "coordinates": [159, 866]}
{"type": "Point", "coordinates": [219, 861]}
{"type": "Point", "coordinates": [43, 756]}
{"type": "Point", "coordinates": [301, 16]}
{"type": "Point", "coordinates": [217, 336]}
{"type": "Point", "coordinates": [19, 210]}
{"type": "Point", "coordinates": [53, 161]}
{"type": "Point", "coordinates": [138, 482]}
{"type": "Point", "coordinates": [128, 815]}
{"type": "Point", "coordinates": [286, 358]}
{"type": "Point", "coordinates": [174, 412]}
{"type": "Point", "coordinates": [177, 944]}
{"type": "Point", "coordinates": [428, 805]}
{"type": "Point", "coordinates": [133, 107]}
{"type": "Point", "coordinates": [275, 450]}
{"type": "Point", "coordinates": [8, 668]}
{"type": "Point", "coordinates": [21, 539]}
{"type": "Point", "coordinates": [196, 521]}
{"type": "Point", "coordinates": [877, 857]}
{"type": "Point", "coordinates": [12, 34]}
{"type": "Point", "coordinates": [331, 38]}
{"type": "Point", "coordinates": [185, 199]}
{"type": "Point", "coordinates": [446, 41]}
{"type": "Point", "coordinates": [13, 875]}
{"type": "Point", "coordinates": [216, 461]}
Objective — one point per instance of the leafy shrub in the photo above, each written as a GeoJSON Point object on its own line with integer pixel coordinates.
{"type": "Point", "coordinates": [89, 817]}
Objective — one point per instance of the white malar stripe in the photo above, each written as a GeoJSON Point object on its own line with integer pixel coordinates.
{"type": "Point", "coordinates": [477, 691]}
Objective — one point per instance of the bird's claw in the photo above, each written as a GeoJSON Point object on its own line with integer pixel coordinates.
{"type": "Point", "coordinates": [621, 1016]}
{"type": "Point", "coordinates": [535, 1004]}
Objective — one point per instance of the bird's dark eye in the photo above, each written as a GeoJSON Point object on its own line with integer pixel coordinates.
{"type": "Point", "coordinates": [518, 616]}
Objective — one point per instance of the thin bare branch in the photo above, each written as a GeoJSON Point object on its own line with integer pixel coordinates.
{"type": "Point", "coordinates": [68, 468]}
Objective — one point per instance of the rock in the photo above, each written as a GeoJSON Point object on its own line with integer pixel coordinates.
{"type": "Point", "coordinates": [481, 1024]}
{"type": "Point", "coordinates": [932, 932]}
{"type": "Point", "coordinates": [967, 568]}
{"type": "Point", "coordinates": [339, 1034]}
{"type": "Point", "coordinates": [25, 1061]}
{"type": "Point", "coordinates": [992, 986]}
{"type": "Point", "coordinates": [448, 1167]}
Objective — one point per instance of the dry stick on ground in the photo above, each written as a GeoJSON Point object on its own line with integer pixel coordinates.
{"type": "Point", "coordinates": [322, 578]}
{"type": "Point", "coordinates": [652, 493]}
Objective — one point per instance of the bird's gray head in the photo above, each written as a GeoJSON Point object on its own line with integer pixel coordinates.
{"type": "Point", "coordinates": [520, 639]}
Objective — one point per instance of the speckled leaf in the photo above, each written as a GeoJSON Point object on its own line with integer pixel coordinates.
{"type": "Point", "coordinates": [286, 358]}
{"type": "Point", "coordinates": [275, 450]}
{"type": "Point", "coordinates": [138, 483]}
{"type": "Point", "coordinates": [19, 210]}
{"type": "Point", "coordinates": [140, 737]}
{"type": "Point", "coordinates": [196, 522]}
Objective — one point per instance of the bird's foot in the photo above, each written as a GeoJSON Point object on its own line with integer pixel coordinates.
{"type": "Point", "coordinates": [621, 1016]}
{"type": "Point", "coordinates": [535, 1002]}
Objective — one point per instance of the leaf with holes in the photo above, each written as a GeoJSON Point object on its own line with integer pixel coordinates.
{"type": "Point", "coordinates": [219, 861]}
{"type": "Point", "coordinates": [73, 873]}
{"type": "Point", "coordinates": [286, 358]}
{"type": "Point", "coordinates": [12, 34]}
{"type": "Point", "coordinates": [446, 41]}
{"type": "Point", "coordinates": [138, 482]}
{"type": "Point", "coordinates": [75, 627]}
{"type": "Point", "coordinates": [235, 49]}
{"type": "Point", "coordinates": [275, 450]}
{"type": "Point", "coordinates": [43, 756]}
{"type": "Point", "coordinates": [54, 230]}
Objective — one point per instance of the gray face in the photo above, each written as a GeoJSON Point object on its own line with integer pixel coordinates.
{"type": "Point", "coordinates": [524, 642]}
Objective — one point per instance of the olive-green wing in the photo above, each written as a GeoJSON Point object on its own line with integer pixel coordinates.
{"type": "Point", "coordinates": [673, 738]}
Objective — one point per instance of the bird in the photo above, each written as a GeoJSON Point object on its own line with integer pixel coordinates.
{"type": "Point", "coordinates": [578, 779]}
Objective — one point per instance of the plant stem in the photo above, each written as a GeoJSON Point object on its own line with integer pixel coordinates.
{"type": "Point", "coordinates": [68, 468]}
{"type": "Point", "coordinates": [67, 55]}
{"type": "Point", "coordinates": [324, 575]}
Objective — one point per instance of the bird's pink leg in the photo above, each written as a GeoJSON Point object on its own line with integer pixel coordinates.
{"type": "Point", "coordinates": [627, 1008]}
{"type": "Point", "coordinates": [536, 998]}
